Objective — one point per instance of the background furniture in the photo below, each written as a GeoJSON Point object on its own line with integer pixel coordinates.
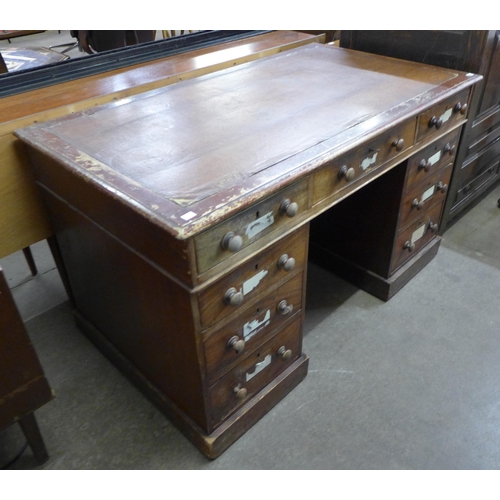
{"type": "Point", "coordinates": [169, 33]}
{"type": "Point", "coordinates": [23, 386]}
{"type": "Point", "coordinates": [8, 34]}
{"type": "Point", "coordinates": [185, 235]}
{"type": "Point", "coordinates": [22, 58]}
{"type": "Point", "coordinates": [3, 66]}
{"type": "Point", "coordinates": [478, 159]}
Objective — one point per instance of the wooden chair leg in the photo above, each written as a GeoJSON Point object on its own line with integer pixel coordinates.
{"type": "Point", "coordinates": [30, 260]}
{"type": "Point", "coordinates": [54, 248]}
{"type": "Point", "coordinates": [32, 434]}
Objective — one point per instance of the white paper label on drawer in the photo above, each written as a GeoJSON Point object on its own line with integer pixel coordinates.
{"type": "Point", "coordinates": [253, 327]}
{"type": "Point", "coordinates": [253, 282]}
{"type": "Point", "coordinates": [259, 367]}
{"type": "Point", "coordinates": [447, 115]}
{"type": "Point", "coordinates": [259, 225]}
{"type": "Point", "coordinates": [418, 233]}
{"type": "Point", "coordinates": [368, 161]}
{"type": "Point", "coordinates": [428, 193]}
{"type": "Point", "coordinates": [435, 158]}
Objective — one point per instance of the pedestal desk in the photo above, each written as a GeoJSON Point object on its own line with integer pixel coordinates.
{"type": "Point", "coordinates": [183, 216]}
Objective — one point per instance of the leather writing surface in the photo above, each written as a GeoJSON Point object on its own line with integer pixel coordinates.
{"type": "Point", "coordinates": [229, 125]}
{"type": "Point", "coordinates": [196, 151]}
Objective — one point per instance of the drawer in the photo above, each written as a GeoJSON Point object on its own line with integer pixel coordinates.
{"type": "Point", "coordinates": [232, 235]}
{"type": "Point", "coordinates": [443, 116]}
{"type": "Point", "coordinates": [237, 339]}
{"type": "Point", "coordinates": [258, 274]}
{"type": "Point", "coordinates": [484, 141]}
{"type": "Point", "coordinates": [257, 370]}
{"type": "Point", "coordinates": [478, 165]}
{"type": "Point", "coordinates": [431, 190]}
{"type": "Point", "coordinates": [343, 171]}
{"type": "Point", "coordinates": [487, 175]}
{"type": "Point", "coordinates": [432, 158]}
{"type": "Point", "coordinates": [415, 236]}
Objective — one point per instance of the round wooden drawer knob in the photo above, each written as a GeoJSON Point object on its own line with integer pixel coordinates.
{"type": "Point", "coordinates": [417, 204]}
{"type": "Point", "coordinates": [240, 392]}
{"type": "Point", "coordinates": [433, 227]}
{"type": "Point", "coordinates": [346, 173]}
{"type": "Point", "coordinates": [232, 242]}
{"type": "Point", "coordinates": [409, 246]}
{"type": "Point", "coordinates": [450, 149]}
{"type": "Point", "coordinates": [236, 343]}
{"type": "Point", "coordinates": [436, 122]}
{"type": "Point", "coordinates": [289, 208]}
{"type": "Point", "coordinates": [284, 308]}
{"type": "Point", "coordinates": [284, 353]}
{"type": "Point", "coordinates": [424, 165]}
{"type": "Point", "coordinates": [398, 144]}
{"type": "Point", "coordinates": [233, 298]}
{"type": "Point", "coordinates": [442, 187]}
{"type": "Point", "coordinates": [286, 263]}
{"type": "Point", "coordinates": [459, 107]}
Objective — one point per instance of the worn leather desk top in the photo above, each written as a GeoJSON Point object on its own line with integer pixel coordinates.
{"type": "Point", "coordinates": [196, 151]}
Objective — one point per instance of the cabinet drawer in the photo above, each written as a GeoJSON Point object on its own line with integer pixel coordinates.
{"type": "Point", "coordinates": [232, 235]}
{"type": "Point", "coordinates": [478, 165]}
{"type": "Point", "coordinates": [426, 193]}
{"type": "Point", "coordinates": [487, 175]}
{"type": "Point", "coordinates": [415, 236]}
{"type": "Point", "coordinates": [234, 341]}
{"type": "Point", "coordinates": [258, 274]}
{"type": "Point", "coordinates": [343, 171]}
{"type": "Point", "coordinates": [443, 116]}
{"type": "Point", "coordinates": [432, 158]}
{"type": "Point", "coordinates": [257, 370]}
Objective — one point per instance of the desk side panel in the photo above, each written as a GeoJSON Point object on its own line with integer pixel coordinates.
{"type": "Point", "coordinates": [143, 313]}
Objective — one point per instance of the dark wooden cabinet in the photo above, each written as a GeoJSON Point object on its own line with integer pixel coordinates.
{"type": "Point", "coordinates": [23, 386]}
{"type": "Point", "coordinates": [478, 159]}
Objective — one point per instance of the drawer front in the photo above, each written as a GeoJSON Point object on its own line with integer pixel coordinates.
{"type": "Point", "coordinates": [487, 175]}
{"type": "Point", "coordinates": [425, 163]}
{"type": "Point", "coordinates": [256, 371]}
{"type": "Point", "coordinates": [247, 331]}
{"type": "Point", "coordinates": [473, 168]}
{"type": "Point", "coordinates": [443, 116]}
{"type": "Point", "coordinates": [415, 236]}
{"type": "Point", "coordinates": [424, 194]}
{"type": "Point", "coordinates": [343, 171]}
{"type": "Point", "coordinates": [229, 237]}
{"type": "Point", "coordinates": [266, 269]}
{"type": "Point", "coordinates": [488, 139]}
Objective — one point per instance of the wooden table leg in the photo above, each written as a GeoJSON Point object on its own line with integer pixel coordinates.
{"type": "Point", "coordinates": [30, 260]}
{"type": "Point", "coordinates": [54, 248]}
{"type": "Point", "coordinates": [32, 434]}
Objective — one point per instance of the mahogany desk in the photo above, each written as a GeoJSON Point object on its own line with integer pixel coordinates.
{"type": "Point", "coordinates": [183, 216]}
